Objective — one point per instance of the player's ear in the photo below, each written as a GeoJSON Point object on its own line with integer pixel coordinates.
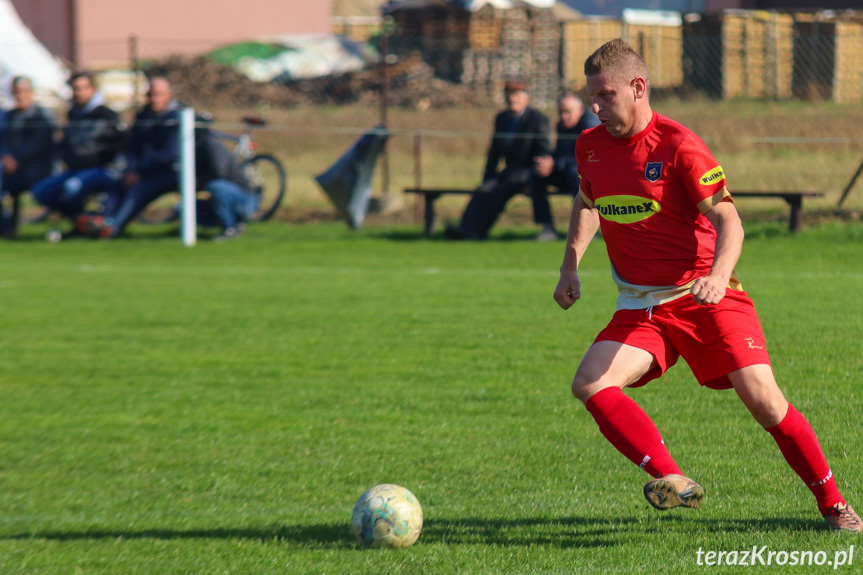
{"type": "Point", "coordinates": [639, 87]}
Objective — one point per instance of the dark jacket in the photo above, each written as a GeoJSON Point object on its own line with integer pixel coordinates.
{"type": "Point", "coordinates": [28, 136]}
{"type": "Point", "coordinates": [510, 144]}
{"type": "Point", "coordinates": [92, 138]}
{"type": "Point", "coordinates": [564, 150]}
{"type": "Point", "coordinates": [213, 161]}
{"type": "Point", "coordinates": [154, 145]}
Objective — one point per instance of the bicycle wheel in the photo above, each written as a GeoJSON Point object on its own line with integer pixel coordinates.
{"type": "Point", "coordinates": [161, 211]}
{"type": "Point", "coordinates": [269, 179]}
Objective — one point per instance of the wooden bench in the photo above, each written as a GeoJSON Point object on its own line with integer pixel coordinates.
{"type": "Point", "coordinates": [431, 195]}
{"type": "Point", "coordinates": [793, 198]}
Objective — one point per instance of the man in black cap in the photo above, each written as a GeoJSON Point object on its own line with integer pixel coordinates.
{"type": "Point", "coordinates": [521, 134]}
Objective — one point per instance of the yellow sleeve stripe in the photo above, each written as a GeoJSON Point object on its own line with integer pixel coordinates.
{"type": "Point", "coordinates": [708, 204]}
{"type": "Point", "coordinates": [587, 201]}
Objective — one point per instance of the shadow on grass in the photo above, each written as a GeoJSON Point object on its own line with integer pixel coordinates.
{"type": "Point", "coordinates": [571, 532]}
{"type": "Point", "coordinates": [402, 235]}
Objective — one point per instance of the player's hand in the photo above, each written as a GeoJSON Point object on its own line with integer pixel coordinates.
{"type": "Point", "coordinates": [568, 290]}
{"type": "Point", "coordinates": [544, 165]}
{"type": "Point", "coordinates": [708, 290]}
{"type": "Point", "coordinates": [10, 164]}
{"type": "Point", "coordinates": [130, 179]}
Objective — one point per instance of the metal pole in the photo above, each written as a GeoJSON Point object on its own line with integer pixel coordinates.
{"type": "Point", "coordinates": [187, 175]}
{"type": "Point", "coordinates": [851, 184]}
{"type": "Point", "coordinates": [418, 168]}
{"type": "Point", "coordinates": [385, 82]}
{"type": "Point", "coordinates": [418, 160]}
{"type": "Point", "coordinates": [133, 61]}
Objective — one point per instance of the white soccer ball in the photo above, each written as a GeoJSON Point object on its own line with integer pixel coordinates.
{"type": "Point", "coordinates": [387, 516]}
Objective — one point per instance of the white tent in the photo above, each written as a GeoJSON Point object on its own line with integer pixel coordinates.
{"type": "Point", "coordinates": [21, 54]}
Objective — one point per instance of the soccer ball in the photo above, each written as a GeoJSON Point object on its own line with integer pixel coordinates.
{"type": "Point", "coordinates": [387, 516]}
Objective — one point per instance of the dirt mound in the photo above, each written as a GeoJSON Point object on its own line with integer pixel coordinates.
{"type": "Point", "coordinates": [203, 83]}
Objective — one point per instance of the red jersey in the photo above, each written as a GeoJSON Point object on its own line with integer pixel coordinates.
{"type": "Point", "coordinates": [652, 191]}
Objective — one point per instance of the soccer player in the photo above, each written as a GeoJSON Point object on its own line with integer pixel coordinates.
{"type": "Point", "coordinates": [673, 236]}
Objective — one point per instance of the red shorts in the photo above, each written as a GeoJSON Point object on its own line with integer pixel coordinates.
{"type": "Point", "coordinates": [713, 339]}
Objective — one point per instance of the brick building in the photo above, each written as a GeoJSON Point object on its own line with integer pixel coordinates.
{"type": "Point", "coordinates": [96, 33]}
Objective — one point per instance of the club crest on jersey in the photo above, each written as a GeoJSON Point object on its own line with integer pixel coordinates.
{"type": "Point", "coordinates": [653, 171]}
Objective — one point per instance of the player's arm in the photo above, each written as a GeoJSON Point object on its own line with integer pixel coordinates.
{"type": "Point", "coordinates": [583, 223]}
{"type": "Point", "coordinates": [710, 289]}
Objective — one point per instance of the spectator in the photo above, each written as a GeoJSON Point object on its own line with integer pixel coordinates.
{"type": "Point", "coordinates": [232, 199]}
{"type": "Point", "coordinates": [90, 148]}
{"type": "Point", "coordinates": [27, 152]}
{"type": "Point", "coordinates": [521, 134]}
{"type": "Point", "coordinates": [560, 169]}
{"type": "Point", "coordinates": [153, 157]}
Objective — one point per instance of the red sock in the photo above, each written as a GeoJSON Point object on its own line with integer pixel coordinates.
{"type": "Point", "coordinates": [798, 444]}
{"type": "Point", "coordinates": [631, 431]}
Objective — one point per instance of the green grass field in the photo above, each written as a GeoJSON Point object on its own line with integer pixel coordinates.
{"type": "Point", "coordinates": [218, 409]}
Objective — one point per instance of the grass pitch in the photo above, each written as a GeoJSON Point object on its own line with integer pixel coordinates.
{"type": "Point", "coordinates": [219, 409]}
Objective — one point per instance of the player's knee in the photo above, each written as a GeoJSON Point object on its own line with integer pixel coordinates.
{"type": "Point", "coordinates": [770, 413]}
{"type": "Point", "coordinates": [72, 187]}
{"type": "Point", "coordinates": [582, 387]}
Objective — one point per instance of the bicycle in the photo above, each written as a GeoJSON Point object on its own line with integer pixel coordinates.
{"type": "Point", "coordinates": [265, 173]}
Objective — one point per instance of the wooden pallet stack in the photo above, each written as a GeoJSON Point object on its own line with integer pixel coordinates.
{"type": "Point", "coordinates": [486, 47]}
{"type": "Point", "coordinates": [660, 46]}
{"type": "Point", "coordinates": [827, 62]}
{"type": "Point", "coordinates": [357, 28]}
{"type": "Point", "coordinates": [740, 54]}
{"type": "Point", "coordinates": [757, 55]}
{"type": "Point", "coordinates": [848, 80]}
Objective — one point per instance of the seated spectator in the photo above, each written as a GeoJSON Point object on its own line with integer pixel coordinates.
{"type": "Point", "coordinates": [153, 156]}
{"type": "Point", "coordinates": [521, 134]}
{"type": "Point", "coordinates": [27, 152]}
{"type": "Point", "coordinates": [232, 200]}
{"type": "Point", "coordinates": [559, 169]}
{"type": "Point", "coordinates": [90, 148]}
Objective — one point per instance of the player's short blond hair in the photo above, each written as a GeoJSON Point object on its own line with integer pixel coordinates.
{"type": "Point", "coordinates": [618, 57]}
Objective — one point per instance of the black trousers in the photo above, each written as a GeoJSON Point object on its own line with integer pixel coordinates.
{"type": "Point", "coordinates": [563, 180]}
{"type": "Point", "coordinates": [486, 206]}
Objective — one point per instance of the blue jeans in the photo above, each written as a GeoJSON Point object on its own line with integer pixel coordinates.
{"type": "Point", "coordinates": [137, 197]}
{"type": "Point", "coordinates": [231, 204]}
{"type": "Point", "coordinates": [67, 192]}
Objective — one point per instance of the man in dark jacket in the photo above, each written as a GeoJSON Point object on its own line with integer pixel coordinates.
{"type": "Point", "coordinates": [560, 169]}
{"type": "Point", "coordinates": [27, 153]}
{"type": "Point", "coordinates": [232, 200]}
{"type": "Point", "coordinates": [521, 134]}
{"type": "Point", "coordinates": [90, 148]}
{"type": "Point", "coordinates": [153, 158]}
